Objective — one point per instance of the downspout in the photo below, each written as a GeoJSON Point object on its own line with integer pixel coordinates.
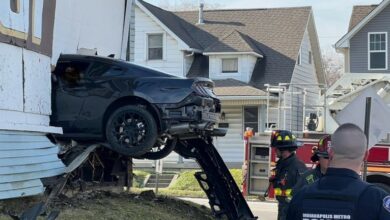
{"type": "Point", "coordinates": [126, 29]}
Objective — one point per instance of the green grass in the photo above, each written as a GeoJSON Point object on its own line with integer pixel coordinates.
{"type": "Point", "coordinates": [185, 185]}
{"type": "Point", "coordinates": [187, 181]}
{"type": "Point", "coordinates": [139, 178]}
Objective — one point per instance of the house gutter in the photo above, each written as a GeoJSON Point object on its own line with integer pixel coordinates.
{"type": "Point", "coordinates": [238, 97]}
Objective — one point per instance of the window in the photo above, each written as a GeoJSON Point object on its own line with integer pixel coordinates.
{"type": "Point", "coordinates": [155, 46]}
{"type": "Point", "coordinates": [103, 69]}
{"type": "Point", "coordinates": [251, 117]}
{"type": "Point", "coordinates": [309, 57]}
{"type": "Point", "coordinates": [15, 6]}
{"type": "Point", "coordinates": [73, 72]}
{"type": "Point", "coordinates": [377, 51]}
{"type": "Point", "coordinates": [230, 65]}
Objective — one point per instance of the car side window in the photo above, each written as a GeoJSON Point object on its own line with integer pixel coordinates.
{"type": "Point", "coordinates": [99, 69]}
{"type": "Point", "coordinates": [71, 73]}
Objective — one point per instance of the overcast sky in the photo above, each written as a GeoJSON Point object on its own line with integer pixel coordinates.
{"type": "Point", "coordinates": [331, 16]}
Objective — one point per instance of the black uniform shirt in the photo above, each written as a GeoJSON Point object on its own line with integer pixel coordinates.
{"type": "Point", "coordinates": [372, 203]}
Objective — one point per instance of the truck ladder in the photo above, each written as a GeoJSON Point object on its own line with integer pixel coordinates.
{"type": "Point", "coordinates": [224, 196]}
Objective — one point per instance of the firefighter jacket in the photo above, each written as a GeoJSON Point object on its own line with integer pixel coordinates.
{"type": "Point", "coordinates": [287, 173]}
{"type": "Point", "coordinates": [307, 178]}
{"type": "Point", "coordinates": [340, 194]}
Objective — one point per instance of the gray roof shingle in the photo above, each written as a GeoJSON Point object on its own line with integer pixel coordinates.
{"type": "Point", "coordinates": [232, 87]}
{"type": "Point", "coordinates": [275, 33]}
{"type": "Point", "coordinates": [359, 12]}
{"type": "Point", "coordinates": [234, 42]}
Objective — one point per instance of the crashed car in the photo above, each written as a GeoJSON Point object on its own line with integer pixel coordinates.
{"type": "Point", "coordinates": [133, 110]}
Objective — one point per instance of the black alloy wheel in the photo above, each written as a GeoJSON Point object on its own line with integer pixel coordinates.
{"type": "Point", "coordinates": [131, 131]}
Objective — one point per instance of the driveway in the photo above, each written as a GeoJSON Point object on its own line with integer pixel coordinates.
{"type": "Point", "coordinates": [263, 210]}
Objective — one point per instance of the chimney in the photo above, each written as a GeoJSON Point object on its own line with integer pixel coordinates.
{"type": "Point", "coordinates": [201, 5]}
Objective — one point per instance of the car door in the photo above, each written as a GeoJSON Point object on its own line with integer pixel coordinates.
{"type": "Point", "coordinates": [69, 93]}
{"type": "Point", "coordinates": [102, 91]}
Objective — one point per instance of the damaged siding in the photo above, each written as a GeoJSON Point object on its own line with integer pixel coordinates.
{"type": "Point", "coordinates": [25, 158]}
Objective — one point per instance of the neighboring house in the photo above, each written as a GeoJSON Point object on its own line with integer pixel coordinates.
{"type": "Point", "coordinates": [366, 44]}
{"type": "Point", "coordinates": [241, 50]}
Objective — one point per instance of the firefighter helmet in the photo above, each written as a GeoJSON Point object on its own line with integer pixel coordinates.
{"type": "Point", "coordinates": [322, 149]}
{"type": "Point", "coordinates": [283, 139]}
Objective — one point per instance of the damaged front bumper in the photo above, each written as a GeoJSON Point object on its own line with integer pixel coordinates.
{"type": "Point", "coordinates": [193, 116]}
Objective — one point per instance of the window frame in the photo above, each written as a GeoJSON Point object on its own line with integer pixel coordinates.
{"type": "Point", "coordinates": [299, 59]}
{"type": "Point", "coordinates": [369, 51]}
{"type": "Point", "coordinates": [258, 117]}
{"type": "Point", "coordinates": [162, 46]}
{"type": "Point", "coordinates": [229, 58]}
{"type": "Point", "coordinates": [310, 57]}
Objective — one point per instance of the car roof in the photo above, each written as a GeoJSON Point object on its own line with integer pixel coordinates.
{"type": "Point", "coordinates": [74, 57]}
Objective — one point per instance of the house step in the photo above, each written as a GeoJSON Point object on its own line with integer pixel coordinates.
{"type": "Point", "coordinates": [163, 180]}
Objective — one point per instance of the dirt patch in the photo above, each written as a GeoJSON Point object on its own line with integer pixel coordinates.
{"type": "Point", "coordinates": [109, 205]}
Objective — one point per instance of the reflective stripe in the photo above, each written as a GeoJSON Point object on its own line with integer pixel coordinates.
{"type": "Point", "coordinates": [280, 192]}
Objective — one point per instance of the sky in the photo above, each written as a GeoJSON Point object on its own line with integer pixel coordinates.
{"type": "Point", "coordinates": [331, 16]}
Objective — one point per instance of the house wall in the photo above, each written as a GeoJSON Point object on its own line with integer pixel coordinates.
{"type": "Point", "coordinates": [173, 59]}
{"type": "Point", "coordinates": [359, 43]}
{"type": "Point", "coordinates": [305, 73]}
{"type": "Point", "coordinates": [231, 147]}
{"type": "Point", "coordinates": [246, 64]}
{"type": "Point", "coordinates": [25, 80]}
{"type": "Point", "coordinates": [78, 25]}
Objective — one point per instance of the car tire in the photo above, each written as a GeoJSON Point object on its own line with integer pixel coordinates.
{"type": "Point", "coordinates": [160, 153]}
{"type": "Point", "coordinates": [131, 131]}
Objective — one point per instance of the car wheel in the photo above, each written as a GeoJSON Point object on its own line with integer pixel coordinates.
{"type": "Point", "coordinates": [160, 150]}
{"type": "Point", "coordinates": [131, 131]}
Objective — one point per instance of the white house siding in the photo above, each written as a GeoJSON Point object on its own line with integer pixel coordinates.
{"type": "Point", "coordinates": [231, 147]}
{"type": "Point", "coordinates": [89, 24]}
{"type": "Point", "coordinates": [246, 63]}
{"type": "Point", "coordinates": [172, 55]}
{"type": "Point", "coordinates": [304, 73]}
{"type": "Point", "coordinates": [26, 155]}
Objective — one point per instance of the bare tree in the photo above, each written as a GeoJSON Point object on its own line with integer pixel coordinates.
{"type": "Point", "coordinates": [333, 66]}
{"type": "Point", "coordinates": [186, 5]}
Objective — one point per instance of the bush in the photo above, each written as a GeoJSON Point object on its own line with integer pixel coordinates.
{"type": "Point", "coordinates": [187, 180]}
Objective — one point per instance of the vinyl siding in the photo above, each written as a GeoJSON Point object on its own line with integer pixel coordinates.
{"type": "Point", "coordinates": [303, 74]}
{"type": "Point", "coordinates": [25, 157]}
{"type": "Point", "coordinates": [172, 55]}
{"type": "Point", "coordinates": [246, 64]}
{"type": "Point", "coordinates": [359, 43]}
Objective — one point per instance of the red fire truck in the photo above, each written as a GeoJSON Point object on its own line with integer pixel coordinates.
{"type": "Point", "coordinates": [308, 111]}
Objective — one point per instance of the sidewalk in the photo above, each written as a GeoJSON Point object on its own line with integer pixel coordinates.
{"type": "Point", "coordinates": [263, 210]}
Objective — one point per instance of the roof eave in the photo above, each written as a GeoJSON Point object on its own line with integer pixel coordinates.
{"type": "Point", "coordinates": [233, 53]}
{"type": "Point", "coordinates": [344, 41]}
{"type": "Point", "coordinates": [183, 45]}
{"type": "Point", "coordinates": [237, 97]}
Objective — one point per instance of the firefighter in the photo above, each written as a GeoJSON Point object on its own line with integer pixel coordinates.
{"type": "Point", "coordinates": [319, 156]}
{"type": "Point", "coordinates": [340, 193]}
{"type": "Point", "coordinates": [287, 171]}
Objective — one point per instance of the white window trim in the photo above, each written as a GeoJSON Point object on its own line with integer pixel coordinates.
{"type": "Point", "coordinates": [299, 63]}
{"type": "Point", "coordinates": [147, 46]}
{"type": "Point", "coordinates": [369, 51]}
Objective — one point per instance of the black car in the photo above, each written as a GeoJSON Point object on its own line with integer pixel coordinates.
{"type": "Point", "coordinates": [133, 110]}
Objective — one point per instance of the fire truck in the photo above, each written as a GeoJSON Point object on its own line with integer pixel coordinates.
{"type": "Point", "coordinates": [308, 110]}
